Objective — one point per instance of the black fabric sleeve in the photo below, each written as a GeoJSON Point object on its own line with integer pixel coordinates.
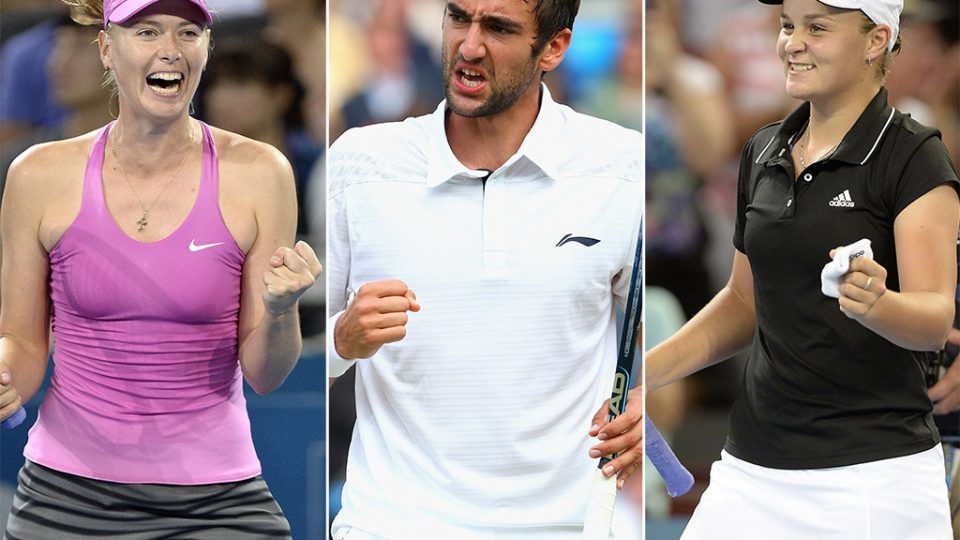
{"type": "Point", "coordinates": [926, 169]}
{"type": "Point", "coordinates": [743, 193]}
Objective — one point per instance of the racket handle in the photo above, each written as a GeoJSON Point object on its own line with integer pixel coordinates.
{"type": "Point", "coordinates": [14, 419]}
{"type": "Point", "coordinates": [676, 477]}
{"type": "Point", "coordinates": [603, 493]}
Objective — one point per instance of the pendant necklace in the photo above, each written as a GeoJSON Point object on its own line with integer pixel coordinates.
{"type": "Point", "coordinates": [142, 222]}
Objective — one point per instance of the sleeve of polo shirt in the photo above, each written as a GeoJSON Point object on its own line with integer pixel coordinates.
{"type": "Point", "coordinates": [743, 189]}
{"type": "Point", "coordinates": [926, 169]}
{"type": "Point", "coordinates": [338, 257]}
{"type": "Point", "coordinates": [634, 169]}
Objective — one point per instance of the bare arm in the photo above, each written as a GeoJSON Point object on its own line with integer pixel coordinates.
{"type": "Point", "coordinates": [25, 312]}
{"type": "Point", "coordinates": [724, 327]}
{"type": "Point", "coordinates": [274, 277]}
{"type": "Point", "coordinates": [920, 316]}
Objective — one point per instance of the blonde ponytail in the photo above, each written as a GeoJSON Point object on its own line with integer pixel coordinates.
{"type": "Point", "coordinates": [86, 12]}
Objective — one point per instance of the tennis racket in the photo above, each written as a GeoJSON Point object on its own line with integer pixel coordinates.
{"type": "Point", "coordinates": [675, 476]}
{"type": "Point", "coordinates": [603, 492]}
{"type": "Point", "coordinates": [14, 419]}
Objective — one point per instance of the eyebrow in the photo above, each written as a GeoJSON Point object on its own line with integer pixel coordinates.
{"type": "Point", "coordinates": [813, 17]}
{"type": "Point", "coordinates": [152, 21]}
{"type": "Point", "coordinates": [486, 20]}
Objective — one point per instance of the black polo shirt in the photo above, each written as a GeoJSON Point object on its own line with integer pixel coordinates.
{"type": "Point", "coordinates": [821, 390]}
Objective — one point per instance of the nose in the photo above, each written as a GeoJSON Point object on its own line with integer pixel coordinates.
{"type": "Point", "coordinates": [472, 47]}
{"type": "Point", "coordinates": [794, 43]}
{"type": "Point", "coordinates": [169, 48]}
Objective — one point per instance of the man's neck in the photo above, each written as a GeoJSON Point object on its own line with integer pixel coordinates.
{"type": "Point", "coordinates": [489, 141]}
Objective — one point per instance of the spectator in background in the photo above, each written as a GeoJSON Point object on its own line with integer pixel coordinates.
{"type": "Point", "coordinates": [926, 81]}
{"type": "Point", "coordinates": [25, 101]}
{"type": "Point", "coordinates": [689, 133]}
{"type": "Point", "coordinates": [76, 86]}
{"type": "Point", "coordinates": [403, 80]}
{"type": "Point", "coordinates": [251, 90]}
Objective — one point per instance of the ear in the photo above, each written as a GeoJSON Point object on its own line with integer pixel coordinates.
{"type": "Point", "coordinates": [879, 38]}
{"type": "Point", "coordinates": [554, 50]}
{"type": "Point", "coordinates": [104, 43]}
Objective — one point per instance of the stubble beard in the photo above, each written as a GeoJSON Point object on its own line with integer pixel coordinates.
{"type": "Point", "coordinates": [501, 98]}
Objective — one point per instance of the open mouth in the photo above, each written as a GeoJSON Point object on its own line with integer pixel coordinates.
{"type": "Point", "coordinates": [796, 67]}
{"type": "Point", "coordinates": [470, 78]}
{"type": "Point", "coordinates": [165, 83]}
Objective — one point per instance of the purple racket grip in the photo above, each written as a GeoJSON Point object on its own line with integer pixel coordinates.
{"type": "Point", "coordinates": [15, 419]}
{"type": "Point", "coordinates": [676, 477]}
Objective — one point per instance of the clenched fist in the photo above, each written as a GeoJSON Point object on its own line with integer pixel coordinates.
{"type": "Point", "coordinates": [291, 273]}
{"type": "Point", "coordinates": [377, 315]}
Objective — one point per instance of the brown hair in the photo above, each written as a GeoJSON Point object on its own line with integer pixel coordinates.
{"type": "Point", "coordinates": [884, 61]}
{"type": "Point", "coordinates": [553, 16]}
{"type": "Point", "coordinates": [86, 12]}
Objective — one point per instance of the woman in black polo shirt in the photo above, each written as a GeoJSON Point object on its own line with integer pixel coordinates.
{"type": "Point", "coordinates": [832, 435]}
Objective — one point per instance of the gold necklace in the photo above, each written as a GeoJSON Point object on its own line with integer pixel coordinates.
{"type": "Point", "coordinates": [142, 222]}
{"type": "Point", "coordinates": [806, 139]}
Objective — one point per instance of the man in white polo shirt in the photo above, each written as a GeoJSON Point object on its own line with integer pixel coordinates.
{"type": "Point", "coordinates": [475, 259]}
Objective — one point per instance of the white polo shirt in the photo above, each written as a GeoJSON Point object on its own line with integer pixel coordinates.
{"type": "Point", "coordinates": [476, 424]}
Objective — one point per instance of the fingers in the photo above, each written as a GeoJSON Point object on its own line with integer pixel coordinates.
{"type": "Point", "coordinates": [599, 419]}
{"type": "Point", "coordinates": [377, 315]}
{"type": "Point", "coordinates": [10, 399]}
{"type": "Point", "coordinates": [309, 256]}
{"type": "Point", "coordinates": [954, 337]}
{"type": "Point", "coordinates": [946, 393]}
{"type": "Point", "coordinates": [623, 435]}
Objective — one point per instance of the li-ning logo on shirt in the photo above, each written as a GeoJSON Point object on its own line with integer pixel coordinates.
{"type": "Point", "coordinates": [587, 241]}
{"type": "Point", "coordinates": [843, 200]}
{"type": "Point", "coordinates": [194, 247]}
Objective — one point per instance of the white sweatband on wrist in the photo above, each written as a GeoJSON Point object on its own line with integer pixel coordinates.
{"type": "Point", "coordinates": [336, 364]}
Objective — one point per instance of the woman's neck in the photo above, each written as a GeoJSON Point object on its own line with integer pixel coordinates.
{"type": "Point", "coordinates": [150, 147]}
{"type": "Point", "coordinates": [831, 119]}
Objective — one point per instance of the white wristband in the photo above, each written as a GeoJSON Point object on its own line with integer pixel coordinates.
{"type": "Point", "coordinates": [336, 364]}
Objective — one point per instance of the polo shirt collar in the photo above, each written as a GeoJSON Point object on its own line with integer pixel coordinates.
{"type": "Point", "coordinates": [443, 165]}
{"type": "Point", "coordinates": [857, 146]}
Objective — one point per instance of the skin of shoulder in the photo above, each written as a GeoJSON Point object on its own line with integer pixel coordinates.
{"type": "Point", "coordinates": [255, 178]}
{"type": "Point", "coordinates": [47, 182]}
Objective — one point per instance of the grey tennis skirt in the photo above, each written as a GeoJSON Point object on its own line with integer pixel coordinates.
{"type": "Point", "coordinates": [53, 505]}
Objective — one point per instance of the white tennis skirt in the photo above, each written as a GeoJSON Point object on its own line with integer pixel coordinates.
{"type": "Point", "coordinates": [901, 498]}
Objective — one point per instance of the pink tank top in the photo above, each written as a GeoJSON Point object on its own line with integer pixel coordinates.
{"type": "Point", "coordinates": [146, 384]}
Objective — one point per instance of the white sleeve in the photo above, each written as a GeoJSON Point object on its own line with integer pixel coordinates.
{"type": "Point", "coordinates": [338, 261]}
{"type": "Point", "coordinates": [634, 170]}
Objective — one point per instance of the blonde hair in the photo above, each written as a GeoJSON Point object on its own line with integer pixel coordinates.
{"type": "Point", "coordinates": [86, 12]}
{"type": "Point", "coordinates": [885, 60]}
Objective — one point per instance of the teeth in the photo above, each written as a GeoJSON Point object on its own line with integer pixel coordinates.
{"type": "Point", "coordinates": [801, 67]}
{"type": "Point", "coordinates": [166, 76]}
{"type": "Point", "coordinates": [469, 82]}
{"type": "Point", "coordinates": [471, 72]}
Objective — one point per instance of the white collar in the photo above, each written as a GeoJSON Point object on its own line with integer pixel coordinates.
{"type": "Point", "coordinates": [539, 146]}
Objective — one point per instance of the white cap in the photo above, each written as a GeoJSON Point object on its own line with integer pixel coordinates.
{"type": "Point", "coordinates": [885, 12]}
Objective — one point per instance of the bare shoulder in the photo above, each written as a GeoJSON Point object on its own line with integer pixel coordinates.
{"type": "Point", "coordinates": [259, 168]}
{"type": "Point", "coordinates": [52, 165]}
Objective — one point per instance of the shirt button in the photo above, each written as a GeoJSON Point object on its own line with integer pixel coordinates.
{"type": "Point", "coordinates": [789, 202]}
{"type": "Point", "coordinates": [808, 177]}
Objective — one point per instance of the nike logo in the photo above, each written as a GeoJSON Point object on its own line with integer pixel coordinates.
{"type": "Point", "coordinates": [585, 240]}
{"type": "Point", "coordinates": [194, 247]}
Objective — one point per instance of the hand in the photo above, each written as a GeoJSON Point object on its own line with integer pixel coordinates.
{"type": "Point", "coordinates": [9, 397]}
{"type": "Point", "coordinates": [291, 273]}
{"type": "Point", "coordinates": [861, 287]}
{"type": "Point", "coordinates": [377, 315]}
{"type": "Point", "coordinates": [624, 436]}
{"type": "Point", "coordinates": [945, 395]}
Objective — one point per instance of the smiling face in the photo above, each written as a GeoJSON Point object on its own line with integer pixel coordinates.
{"type": "Point", "coordinates": [824, 50]}
{"type": "Point", "coordinates": [488, 56]}
{"type": "Point", "coordinates": [157, 60]}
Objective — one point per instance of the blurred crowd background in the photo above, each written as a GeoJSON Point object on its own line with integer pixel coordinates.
{"type": "Point", "coordinates": [265, 80]}
{"type": "Point", "coordinates": [712, 79]}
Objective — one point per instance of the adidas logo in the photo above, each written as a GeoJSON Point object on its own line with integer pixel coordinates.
{"type": "Point", "coordinates": [843, 200]}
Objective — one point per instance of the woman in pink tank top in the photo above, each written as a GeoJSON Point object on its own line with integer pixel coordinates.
{"type": "Point", "coordinates": [157, 247]}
